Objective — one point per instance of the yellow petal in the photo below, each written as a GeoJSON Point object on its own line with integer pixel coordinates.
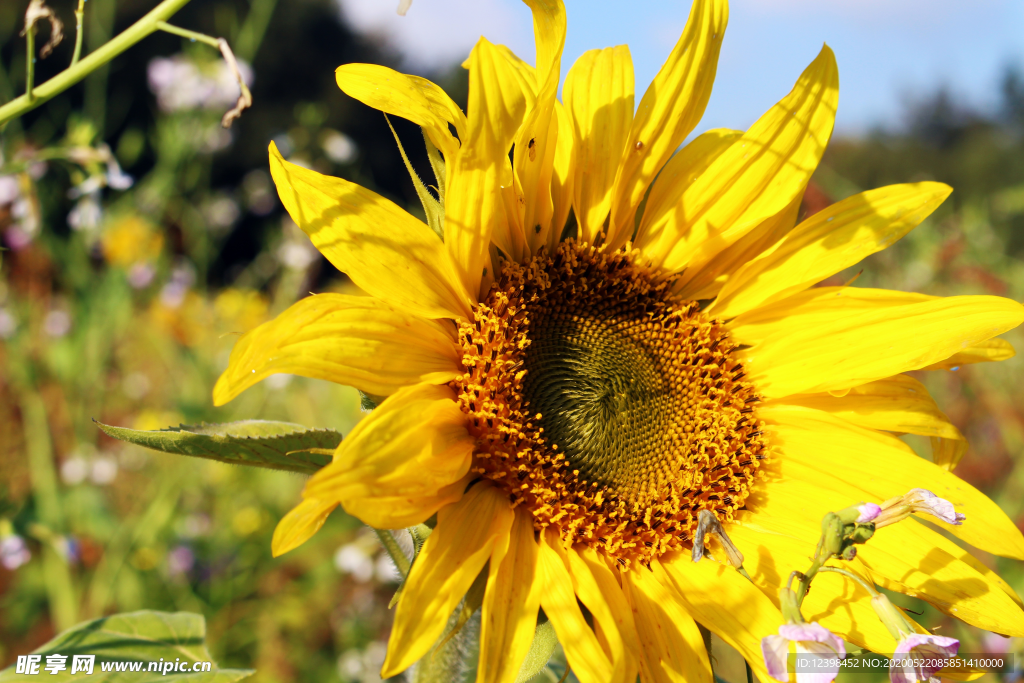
{"type": "Point", "coordinates": [475, 205]}
{"type": "Point", "coordinates": [894, 404]}
{"type": "Point", "coordinates": [598, 589]}
{"type": "Point", "coordinates": [678, 174]}
{"type": "Point", "coordinates": [898, 404]}
{"type": "Point", "coordinates": [829, 241]}
{"type": "Point", "coordinates": [598, 94]}
{"type": "Point", "coordinates": [914, 560]}
{"type": "Point", "coordinates": [385, 251]}
{"type": "Point", "coordinates": [398, 512]}
{"type": "Point", "coordinates": [355, 340]}
{"type": "Point", "coordinates": [562, 176]}
{"type": "Point", "coordinates": [874, 467]}
{"type": "Point", "coordinates": [759, 239]}
{"type": "Point", "coordinates": [988, 351]}
{"type": "Point", "coordinates": [836, 602]}
{"type": "Point", "coordinates": [671, 648]}
{"type": "Point", "coordinates": [412, 446]}
{"type": "Point", "coordinates": [411, 97]}
{"type": "Point", "coordinates": [948, 452]}
{"type": "Point", "coordinates": [833, 342]}
{"type": "Point", "coordinates": [537, 138]}
{"type": "Point", "coordinates": [558, 599]}
{"type": "Point", "coordinates": [817, 306]}
{"type": "Point", "coordinates": [301, 522]}
{"type": "Point", "coordinates": [511, 602]}
{"type": "Point", "coordinates": [499, 94]}
{"type": "Point", "coordinates": [447, 565]}
{"type": "Point", "coordinates": [668, 111]}
{"type": "Point", "coordinates": [726, 603]}
{"type": "Point", "coordinates": [756, 178]}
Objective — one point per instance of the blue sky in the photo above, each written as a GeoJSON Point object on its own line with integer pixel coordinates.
{"type": "Point", "coordinates": [888, 51]}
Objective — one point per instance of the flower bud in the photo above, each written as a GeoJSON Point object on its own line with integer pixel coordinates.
{"type": "Point", "coordinates": [868, 512]}
{"type": "Point", "coordinates": [832, 534]}
{"type": "Point", "coordinates": [862, 533]}
{"type": "Point", "coordinates": [789, 605]}
{"type": "Point", "coordinates": [891, 616]}
{"type": "Point", "coordinates": [861, 513]}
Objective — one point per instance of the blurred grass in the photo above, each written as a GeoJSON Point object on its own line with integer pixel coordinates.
{"type": "Point", "coordinates": [128, 314]}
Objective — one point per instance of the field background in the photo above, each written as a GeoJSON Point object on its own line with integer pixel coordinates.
{"type": "Point", "coordinates": [121, 304]}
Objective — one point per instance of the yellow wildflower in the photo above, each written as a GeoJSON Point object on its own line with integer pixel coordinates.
{"type": "Point", "coordinates": [130, 240]}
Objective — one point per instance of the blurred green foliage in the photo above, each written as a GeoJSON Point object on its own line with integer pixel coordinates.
{"type": "Point", "coordinates": [121, 303]}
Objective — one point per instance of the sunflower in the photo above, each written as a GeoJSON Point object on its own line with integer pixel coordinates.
{"type": "Point", "coordinates": [596, 340]}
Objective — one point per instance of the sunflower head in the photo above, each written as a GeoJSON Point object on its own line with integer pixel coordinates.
{"type": "Point", "coordinates": [609, 407]}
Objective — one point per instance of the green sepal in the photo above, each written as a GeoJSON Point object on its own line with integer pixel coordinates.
{"type": "Point", "coordinates": [369, 402]}
{"type": "Point", "coordinates": [849, 515]}
{"type": "Point", "coordinates": [541, 649]}
{"type": "Point", "coordinates": [431, 207]}
{"type": "Point", "coordinates": [473, 601]}
{"type": "Point", "coordinates": [259, 443]}
{"type": "Point", "coordinates": [436, 163]}
{"type": "Point", "coordinates": [145, 636]}
{"type": "Point", "coordinates": [419, 534]}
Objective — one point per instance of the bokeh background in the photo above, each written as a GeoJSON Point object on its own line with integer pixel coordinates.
{"type": "Point", "coordinates": [142, 239]}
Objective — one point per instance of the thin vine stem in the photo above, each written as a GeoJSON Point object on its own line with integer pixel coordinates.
{"type": "Point", "coordinates": [73, 74]}
{"type": "Point", "coordinates": [30, 61]}
{"type": "Point", "coordinates": [872, 591]}
{"type": "Point", "coordinates": [79, 21]}
{"type": "Point", "coordinates": [185, 33]}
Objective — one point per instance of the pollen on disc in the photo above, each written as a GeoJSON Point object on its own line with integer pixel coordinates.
{"type": "Point", "coordinates": [614, 411]}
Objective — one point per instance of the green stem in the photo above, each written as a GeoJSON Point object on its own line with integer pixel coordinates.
{"type": "Point", "coordinates": [249, 37]}
{"type": "Point", "coordinates": [872, 591]}
{"type": "Point", "coordinates": [101, 28]}
{"type": "Point", "coordinates": [30, 61]}
{"type": "Point", "coordinates": [133, 533]}
{"type": "Point", "coordinates": [402, 562]}
{"type": "Point", "coordinates": [59, 585]}
{"type": "Point", "coordinates": [185, 33]}
{"type": "Point", "coordinates": [79, 19]}
{"type": "Point", "coordinates": [73, 74]}
{"type": "Point", "coordinates": [805, 579]}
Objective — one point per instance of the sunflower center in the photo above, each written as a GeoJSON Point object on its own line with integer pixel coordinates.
{"type": "Point", "coordinates": [610, 408]}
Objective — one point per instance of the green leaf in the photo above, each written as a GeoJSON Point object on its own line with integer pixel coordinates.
{"type": "Point", "coordinates": [276, 445]}
{"type": "Point", "coordinates": [145, 637]}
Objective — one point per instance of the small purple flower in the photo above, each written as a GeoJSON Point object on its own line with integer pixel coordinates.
{"type": "Point", "coordinates": [180, 561]}
{"type": "Point", "coordinates": [13, 552]}
{"type": "Point", "coordinates": [868, 512]}
{"type": "Point", "coordinates": [919, 656]}
{"type": "Point", "coordinates": [813, 641]}
{"type": "Point", "coordinates": [923, 500]}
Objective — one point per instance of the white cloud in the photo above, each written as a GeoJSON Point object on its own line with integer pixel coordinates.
{"type": "Point", "coordinates": [437, 33]}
